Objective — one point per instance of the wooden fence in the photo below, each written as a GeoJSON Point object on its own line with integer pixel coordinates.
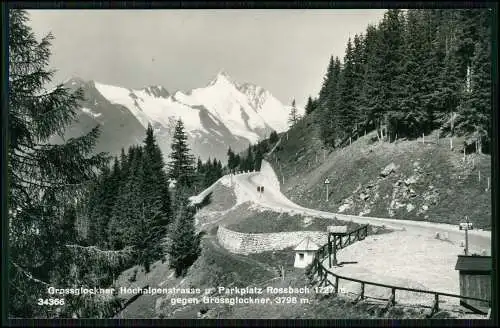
{"type": "Point", "coordinates": [319, 270]}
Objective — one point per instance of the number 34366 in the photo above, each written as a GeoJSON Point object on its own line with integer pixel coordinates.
{"type": "Point", "coordinates": [51, 301]}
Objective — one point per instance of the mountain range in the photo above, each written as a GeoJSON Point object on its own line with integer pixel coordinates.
{"type": "Point", "coordinates": [220, 115]}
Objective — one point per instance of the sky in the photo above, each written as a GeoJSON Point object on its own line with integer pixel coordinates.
{"type": "Point", "coordinates": [283, 51]}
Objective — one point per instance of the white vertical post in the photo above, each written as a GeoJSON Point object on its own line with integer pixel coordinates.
{"type": "Point", "coordinates": [324, 154]}
{"type": "Point", "coordinates": [350, 141]}
{"type": "Point", "coordinates": [479, 175]}
{"type": "Point", "coordinates": [423, 138]}
{"type": "Point", "coordinates": [488, 184]}
{"type": "Point", "coordinates": [451, 143]}
{"type": "Point", "coordinates": [327, 192]}
{"type": "Point", "coordinates": [283, 179]}
{"type": "Point", "coordinates": [467, 236]}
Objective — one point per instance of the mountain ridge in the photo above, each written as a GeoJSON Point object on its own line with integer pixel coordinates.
{"type": "Point", "coordinates": [222, 114]}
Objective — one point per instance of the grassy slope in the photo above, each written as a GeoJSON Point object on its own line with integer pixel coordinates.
{"type": "Point", "coordinates": [446, 186]}
{"type": "Point", "coordinates": [219, 268]}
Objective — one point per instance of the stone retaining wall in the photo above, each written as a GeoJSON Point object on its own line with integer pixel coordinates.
{"type": "Point", "coordinates": [247, 243]}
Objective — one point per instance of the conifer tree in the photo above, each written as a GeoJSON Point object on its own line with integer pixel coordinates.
{"type": "Point", "coordinates": [273, 137]}
{"type": "Point", "coordinates": [258, 159]}
{"type": "Point", "coordinates": [294, 116]}
{"type": "Point", "coordinates": [475, 111]}
{"type": "Point", "coordinates": [43, 177]}
{"type": "Point", "coordinates": [181, 166]}
{"type": "Point", "coordinates": [392, 54]}
{"type": "Point", "coordinates": [231, 162]}
{"type": "Point", "coordinates": [413, 116]}
{"type": "Point", "coordinates": [358, 65]}
{"type": "Point", "coordinates": [309, 106]}
{"type": "Point", "coordinates": [155, 178]}
{"type": "Point", "coordinates": [185, 246]}
{"type": "Point", "coordinates": [327, 102]}
{"type": "Point", "coordinates": [346, 108]}
{"type": "Point", "coordinates": [371, 97]}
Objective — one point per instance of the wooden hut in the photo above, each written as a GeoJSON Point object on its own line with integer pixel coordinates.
{"type": "Point", "coordinates": [475, 279]}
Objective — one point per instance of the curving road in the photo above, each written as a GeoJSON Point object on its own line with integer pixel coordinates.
{"type": "Point", "coordinates": [246, 186]}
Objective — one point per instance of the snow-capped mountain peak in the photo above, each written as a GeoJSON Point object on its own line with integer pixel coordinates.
{"type": "Point", "coordinates": [220, 115]}
{"type": "Point", "coordinates": [222, 79]}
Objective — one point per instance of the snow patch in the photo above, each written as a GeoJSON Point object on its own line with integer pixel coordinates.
{"type": "Point", "coordinates": [152, 109]}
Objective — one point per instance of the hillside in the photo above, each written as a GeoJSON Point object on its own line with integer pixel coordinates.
{"type": "Point", "coordinates": [219, 267]}
{"type": "Point", "coordinates": [405, 179]}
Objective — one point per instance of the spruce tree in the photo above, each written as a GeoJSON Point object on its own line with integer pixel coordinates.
{"type": "Point", "coordinates": [475, 112]}
{"type": "Point", "coordinates": [392, 55]}
{"type": "Point", "coordinates": [294, 116]}
{"type": "Point", "coordinates": [181, 167]}
{"type": "Point", "coordinates": [372, 98]}
{"type": "Point", "coordinates": [346, 108]}
{"type": "Point", "coordinates": [309, 106]}
{"type": "Point", "coordinates": [158, 181]}
{"type": "Point", "coordinates": [185, 246]}
{"type": "Point", "coordinates": [68, 232]}
{"type": "Point", "coordinates": [327, 102]}
{"type": "Point", "coordinates": [258, 160]}
{"type": "Point", "coordinates": [412, 117]}
{"type": "Point", "coordinates": [43, 177]}
{"type": "Point", "coordinates": [273, 137]}
{"type": "Point", "coordinates": [358, 71]}
{"type": "Point", "coordinates": [248, 159]}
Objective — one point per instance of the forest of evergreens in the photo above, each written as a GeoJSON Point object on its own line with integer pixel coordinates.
{"type": "Point", "coordinates": [416, 71]}
{"type": "Point", "coordinates": [251, 158]}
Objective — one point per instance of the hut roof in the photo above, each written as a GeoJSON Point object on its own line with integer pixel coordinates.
{"type": "Point", "coordinates": [307, 245]}
{"type": "Point", "coordinates": [474, 263]}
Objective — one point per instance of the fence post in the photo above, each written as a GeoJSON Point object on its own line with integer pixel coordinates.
{"type": "Point", "coordinates": [393, 301]}
{"type": "Point", "coordinates": [436, 300]}
{"type": "Point", "coordinates": [320, 271]}
{"type": "Point", "coordinates": [329, 251]}
{"type": "Point", "coordinates": [362, 295]}
{"type": "Point", "coordinates": [336, 284]}
{"type": "Point", "coordinates": [335, 249]}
